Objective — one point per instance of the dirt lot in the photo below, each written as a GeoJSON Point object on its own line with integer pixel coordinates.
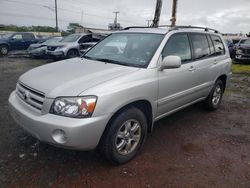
{"type": "Point", "coordinates": [192, 148]}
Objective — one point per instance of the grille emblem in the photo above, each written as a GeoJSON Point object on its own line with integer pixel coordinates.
{"type": "Point", "coordinates": [26, 95]}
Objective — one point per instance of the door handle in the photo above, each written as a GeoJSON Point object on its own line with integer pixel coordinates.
{"type": "Point", "coordinates": [192, 69]}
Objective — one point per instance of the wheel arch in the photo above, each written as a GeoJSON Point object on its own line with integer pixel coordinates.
{"type": "Point", "coordinates": [223, 78]}
{"type": "Point", "coordinates": [144, 105]}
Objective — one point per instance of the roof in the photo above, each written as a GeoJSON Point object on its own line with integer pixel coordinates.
{"type": "Point", "coordinates": [145, 30]}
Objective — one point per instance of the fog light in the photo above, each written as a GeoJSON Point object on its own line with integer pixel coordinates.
{"type": "Point", "coordinates": [59, 136]}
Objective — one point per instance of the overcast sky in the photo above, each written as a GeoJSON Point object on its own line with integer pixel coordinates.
{"type": "Point", "coordinates": [225, 15]}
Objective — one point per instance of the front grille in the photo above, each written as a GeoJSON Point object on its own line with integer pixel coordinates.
{"type": "Point", "coordinates": [247, 51]}
{"type": "Point", "coordinates": [51, 48]}
{"type": "Point", "coordinates": [30, 96]}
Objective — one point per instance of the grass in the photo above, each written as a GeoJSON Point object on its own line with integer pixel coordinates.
{"type": "Point", "coordinates": [241, 69]}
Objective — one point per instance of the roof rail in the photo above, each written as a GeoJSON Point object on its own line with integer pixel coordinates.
{"type": "Point", "coordinates": [175, 27]}
{"type": "Point", "coordinates": [134, 27]}
{"type": "Point", "coordinates": [194, 27]}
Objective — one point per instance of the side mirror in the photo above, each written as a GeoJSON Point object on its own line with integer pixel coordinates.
{"type": "Point", "coordinates": [170, 62]}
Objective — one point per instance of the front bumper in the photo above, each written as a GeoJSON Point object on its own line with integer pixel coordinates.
{"type": "Point", "coordinates": [80, 134]}
{"type": "Point", "coordinates": [242, 57]}
{"type": "Point", "coordinates": [55, 53]}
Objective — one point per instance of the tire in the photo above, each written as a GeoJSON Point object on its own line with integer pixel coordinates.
{"type": "Point", "coordinates": [114, 144]}
{"type": "Point", "coordinates": [214, 99]}
{"type": "Point", "coordinates": [4, 50]}
{"type": "Point", "coordinates": [72, 53]}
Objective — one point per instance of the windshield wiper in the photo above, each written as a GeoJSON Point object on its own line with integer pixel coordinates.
{"type": "Point", "coordinates": [111, 61]}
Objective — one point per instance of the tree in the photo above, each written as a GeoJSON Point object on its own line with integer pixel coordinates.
{"type": "Point", "coordinates": [73, 26]}
{"type": "Point", "coordinates": [27, 28]}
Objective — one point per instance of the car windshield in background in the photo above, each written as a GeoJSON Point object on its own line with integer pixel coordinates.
{"type": "Point", "coordinates": [245, 41]}
{"type": "Point", "coordinates": [52, 41]}
{"type": "Point", "coordinates": [71, 38]}
{"type": "Point", "coordinates": [129, 49]}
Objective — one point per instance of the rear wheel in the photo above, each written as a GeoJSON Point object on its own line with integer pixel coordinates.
{"type": "Point", "coordinates": [72, 54]}
{"type": "Point", "coordinates": [124, 136]}
{"type": "Point", "coordinates": [4, 50]}
{"type": "Point", "coordinates": [214, 99]}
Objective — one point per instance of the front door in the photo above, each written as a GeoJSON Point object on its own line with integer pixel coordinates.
{"type": "Point", "coordinates": [17, 42]}
{"type": "Point", "coordinates": [176, 86]}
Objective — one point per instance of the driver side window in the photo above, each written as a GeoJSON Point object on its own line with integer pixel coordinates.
{"type": "Point", "coordinates": [17, 37]}
{"type": "Point", "coordinates": [178, 45]}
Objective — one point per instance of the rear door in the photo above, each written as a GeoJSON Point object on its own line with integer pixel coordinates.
{"type": "Point", "coordinates": [202, 63]}
{"type": "Point", "coordinates": [28, 40]}
{"type": "Point", "coordinates": [177, 86]}
{"type": "Point", "coordinates": [218, 58]}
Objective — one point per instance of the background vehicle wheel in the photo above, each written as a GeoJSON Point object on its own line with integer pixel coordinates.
{"type": "Point", "coordinates": [72, 54]}
{"type": "Point", "coordinates": [214, 98]}
{"type": "Point", "coordinates": [4, 50]}
{"type": "Point", "coordinates": [124, 136]}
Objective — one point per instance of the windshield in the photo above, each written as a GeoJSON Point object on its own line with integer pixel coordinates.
{"type": "Point", "coordinates": [6, 36]}
{"type": "Point", "coordinates": [245, 41]}
{"type": "Point", "coordinates": [71, 38]}
{"type": "Point", "coordinates": [52, 41]}
{"type": "Point", "coordinates": [129, 49]}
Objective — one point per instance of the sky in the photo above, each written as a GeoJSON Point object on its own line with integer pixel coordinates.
{"type": "Point", "coordinates": [227, 16]}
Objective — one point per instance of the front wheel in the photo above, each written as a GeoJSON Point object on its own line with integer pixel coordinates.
{"type": "Point", "coordinates": [4, 50]}
{"type": "Point", "coordinates": [124, 136]}
{"type": "Point", "coordinates": [215, 97]}
{"type": "Point", "coordinates": [72, 54]}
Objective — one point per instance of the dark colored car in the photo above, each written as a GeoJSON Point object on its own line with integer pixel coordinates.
{"type": "Point", "coordinates": [39, 49]}
{"type": "Point", "coordinates": [16, 41]}
{"type": "Point", "coordinates": [243, 50]}
{"type": "Point", "coordinates": [231, 46]}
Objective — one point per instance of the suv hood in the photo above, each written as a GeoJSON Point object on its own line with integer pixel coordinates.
{"type": "Point", "coordinates": [244, 46]}
{"type": "Point", "coordinates": [72, 77]}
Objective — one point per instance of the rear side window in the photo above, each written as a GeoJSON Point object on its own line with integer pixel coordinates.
{"type": "Point", "coordinates": [211, 46]}
{"type": "Point", "coordinates": [85, 39]}
{"type": "Point", "coordinates": [218, 45]}
{"type": "Point", "coordinates": [200, 46]}
{"type": "Point", "coordinates": [178, 45]}
{"type": "Point", "coordinates": [28, 36]}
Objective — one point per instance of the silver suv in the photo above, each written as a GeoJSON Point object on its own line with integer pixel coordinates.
{"type": "Point", "coordinates": [69, 47]}
{"type": "Point", "coordinates": [111, 97]}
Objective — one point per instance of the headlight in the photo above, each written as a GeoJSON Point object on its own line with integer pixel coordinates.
{"type": "Point", "coordinates": [60, 47]}
{"type": "Point", "coordinates": [75, 107]}
{"type": "Point", "coordinates": [239, 51]}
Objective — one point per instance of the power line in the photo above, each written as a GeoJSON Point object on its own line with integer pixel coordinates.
{"type": "Point", "coordinates": [68, 10]}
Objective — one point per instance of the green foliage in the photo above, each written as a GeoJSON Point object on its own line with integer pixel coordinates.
{"type": "Point", "coordinates": [27, 28]}
{"type": "Point", "coordinates": [72, 27]}
{"type": "Point", "coordinates": [241, 69]}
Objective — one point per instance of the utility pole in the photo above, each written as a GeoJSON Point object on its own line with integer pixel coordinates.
{"type": "Point", "coordinates": [148, 21]}
{"type": "Point", "coordinates": [56, 15]}
{"type": "Point", "coordinates": [116, 20]}
{"type": "Point", "coordinates": [174, 10]}
{"type": "Point", "coordinates": [157, 13]}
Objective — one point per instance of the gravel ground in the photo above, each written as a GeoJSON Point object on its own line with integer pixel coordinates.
{"type": "Point", "coordinates": [192, 148]}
